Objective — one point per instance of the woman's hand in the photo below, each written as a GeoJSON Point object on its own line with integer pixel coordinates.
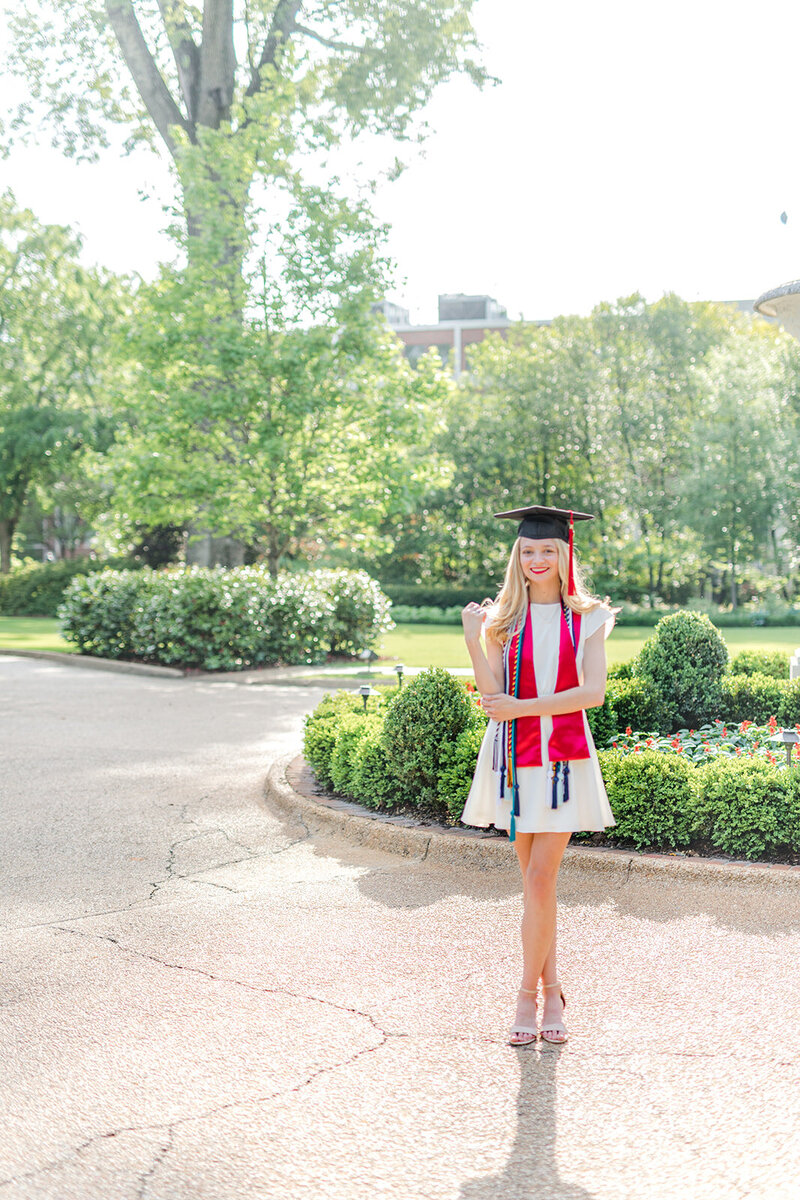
{"type": "Point", "coordinates": [502, 707]}
{"type": "Point", "coordinates": [472, 618]}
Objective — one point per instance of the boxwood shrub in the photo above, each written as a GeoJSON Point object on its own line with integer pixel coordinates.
{"type": "Point", "coordinates": [456, 770]}
{"type": "Point", "coordinates": [374, 782]}
{"type": "Point", "coordinates": [351, 730]}
{"type": "Point", "coordinates": [774, 663]}
{"type": "Point", "coordinates": [430, 712]}
{"type": "Point", "coordinates": [758, 697]}
{"type": "Point", "coordinates": [651, 798]}
{"type": "Point", "coordinates": [322, 728]}
{"type": "Point", "coordinates": [684, 660]}
{"type": "Point", "coordinates": [630, 702]}
{"type": "Point", "coordinates": [740, 805]}
{"type": "Point", "coordinates": [223, 619]}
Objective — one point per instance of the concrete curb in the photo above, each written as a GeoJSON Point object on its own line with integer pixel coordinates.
{"type": "Point", "coordinates": [302, 676]}
{"type": "Point", "coordinates": [97, 664]}
{"type": "Point", "coordinates": [488, 852]}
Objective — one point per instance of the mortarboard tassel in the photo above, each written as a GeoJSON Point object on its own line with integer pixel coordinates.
{"type": "Point", "coordinates": [554, 801]}
{"type": "Point", "coordinates": [571, 584]}
{"type": "Point", "coordinates": [565, 790]}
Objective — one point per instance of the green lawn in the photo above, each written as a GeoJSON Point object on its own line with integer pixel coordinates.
{"type": "Point", "coordinates": [443, 645]}
{"type": "Point", "coordinates": [425, 645]}
{"type": "Point", "coordinates": [30, 633]}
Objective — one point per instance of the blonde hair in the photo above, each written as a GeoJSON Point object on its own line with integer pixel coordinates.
{"type": "Point", "coordinates": [508, 610]}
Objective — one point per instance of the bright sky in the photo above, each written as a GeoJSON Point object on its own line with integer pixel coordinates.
{"type": "Point", "coordinates": [629, 146]}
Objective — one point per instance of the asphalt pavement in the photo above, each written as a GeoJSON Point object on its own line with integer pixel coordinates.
{"type": "Point", "coordinates": [203, 997]}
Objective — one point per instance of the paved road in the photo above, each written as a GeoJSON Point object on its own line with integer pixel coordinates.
{"type": "Point", "coordinates": [201, 1002]}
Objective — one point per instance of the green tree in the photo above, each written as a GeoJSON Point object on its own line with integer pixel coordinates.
{"type": "Point", "coordinates": [743, 489]}
{"type": "Point", "coordinates": [648, 355]}
{"type": "Point", "coordinates": [54, 320]}
{"type": "Point", "coordinates": [331, 438]}
{"type": "Point", "coordinates": [241, 99]}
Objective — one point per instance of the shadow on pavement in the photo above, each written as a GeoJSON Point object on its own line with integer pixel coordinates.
{"type": "Point", "coordinates": [746, 906]}
{"type": "Point", "coordinates": [531, 1172]}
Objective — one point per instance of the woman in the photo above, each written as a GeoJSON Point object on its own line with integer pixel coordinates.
{"type": "Point", "coordinates": [537, 773]}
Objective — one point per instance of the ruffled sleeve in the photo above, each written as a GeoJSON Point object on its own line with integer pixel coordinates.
{"type": "Point", "coordinates": [599, 617]}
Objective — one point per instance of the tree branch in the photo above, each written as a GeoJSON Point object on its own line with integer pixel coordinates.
{"type": "Point", "coordinates": [185, 52]}
{"type": "Point", "coordinates": [217, 64]}
{"type": "Point", "coordinates": [151, 87]}
{"type": "Point", "coordinates": [323, 41]}
{"type": "Point", "coordinates": [279, 33]}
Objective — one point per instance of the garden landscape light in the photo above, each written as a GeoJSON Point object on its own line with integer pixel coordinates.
{"type": "Point", "coordinates": [789, 737]}
{"type": "Point", "coordinates": [398, 670]}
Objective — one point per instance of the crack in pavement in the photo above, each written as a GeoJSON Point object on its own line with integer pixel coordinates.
{"type": "Point", "coordinates": [160, 885]}
{"type": "Point", "coordinates": [161, 1154]}
{"type": "Point", "coordinates": [253, 987]}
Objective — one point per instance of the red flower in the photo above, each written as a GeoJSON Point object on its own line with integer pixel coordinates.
{"type": "Point", "coordinates": [773, 724]}
{"type": "Point", "coordinates": [628, 730]}
{"type": "Point", "coordinates": [745, 725]}
{"type": "Point", "coordinates": [649, 742]}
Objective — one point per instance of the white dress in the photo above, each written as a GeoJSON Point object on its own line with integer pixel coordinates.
{"type": "Point", "coordinates": [587, 807]}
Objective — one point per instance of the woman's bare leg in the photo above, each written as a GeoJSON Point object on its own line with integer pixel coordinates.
{"type": "Point", "coordinates": [539, 858]}
{"type": "Point", "coordinates": [523, 845]}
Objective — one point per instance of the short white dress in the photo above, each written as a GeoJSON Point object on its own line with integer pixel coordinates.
{"type": "Point", "coordinates": [587, 807]}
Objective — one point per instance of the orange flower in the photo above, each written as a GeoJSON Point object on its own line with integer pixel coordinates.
{"type": "Point", "coordinates": [628, 730]}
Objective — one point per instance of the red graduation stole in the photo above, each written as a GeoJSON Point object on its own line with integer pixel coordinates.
{"type": "Point", "coordinates": [523, 736]}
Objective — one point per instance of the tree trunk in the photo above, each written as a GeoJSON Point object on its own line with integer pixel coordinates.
{"type": "Point", "coordinates": [7, 528]}
{"type": "Point", "coordinates": [205, 549]}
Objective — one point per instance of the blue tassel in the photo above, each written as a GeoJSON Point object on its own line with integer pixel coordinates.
{"type": "Point", "coordinates": [554, 801]}
{"type": "Point", "coordinates": [512, 833]}
{"type": "Point", "coordinates": [516, 800]}
{"type": "Point", "coordinates": [566, 782]}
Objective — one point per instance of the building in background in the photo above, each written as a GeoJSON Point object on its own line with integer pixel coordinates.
{"type": "Point", "coordinates": [463, 320]}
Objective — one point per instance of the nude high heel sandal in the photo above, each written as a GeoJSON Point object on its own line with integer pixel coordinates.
{"type": "Point", "coordinates": [529, 1034]}
{"type": "Point", "coordinates": [555, 1032]}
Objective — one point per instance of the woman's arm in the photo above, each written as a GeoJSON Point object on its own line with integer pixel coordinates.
{"type": "Point", "coordinates": [488, 667]}
{"type": "Point", "coordinates": [590, 694]}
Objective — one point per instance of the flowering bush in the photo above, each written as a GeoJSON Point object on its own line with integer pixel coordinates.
{"type": "Point", "coordinates": [223, 619]}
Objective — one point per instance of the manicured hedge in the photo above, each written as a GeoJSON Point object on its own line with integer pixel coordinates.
{"type": "Point", "coordinates": [748, 807]}
{"type": "Point", "coordinates": [651, 797]}
{"type": "Point", "coordinates": [223, 619]}
{"type": "Point", "coordinates": [759, 697]}
{"type": "Point", "coordinates": [37, 589]}
{"type": "Point", "coordinates": [774, 663]}
{"type": "Point", "coordinates": [400, 754]}
{"type": "Point", "coordinates": [396, 752]}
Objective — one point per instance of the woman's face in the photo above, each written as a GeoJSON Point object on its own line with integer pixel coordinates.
{"type": "Point", "coordinates": [539, 559]}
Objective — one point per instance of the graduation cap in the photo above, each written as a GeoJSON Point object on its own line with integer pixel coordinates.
{"type": "Point", "coordinates": [539, 521]}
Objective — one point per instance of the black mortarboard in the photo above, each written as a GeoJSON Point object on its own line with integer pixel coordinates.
{"type": "Point", "coordinates": [539, 521]}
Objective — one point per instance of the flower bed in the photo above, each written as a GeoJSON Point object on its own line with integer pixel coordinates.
{"type": "Point", "coordinates": [720, 789]}
{"type": "Point", "coordinates": [720, 739]}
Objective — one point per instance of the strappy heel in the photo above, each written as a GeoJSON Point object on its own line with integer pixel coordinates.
{"type": "Point", "coordinates": [555, 1032]}
{"type": "Point", "coordinates": [529, 1034]}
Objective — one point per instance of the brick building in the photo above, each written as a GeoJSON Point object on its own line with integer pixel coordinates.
{"type": "Point", "coordinates": [463, 320]}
